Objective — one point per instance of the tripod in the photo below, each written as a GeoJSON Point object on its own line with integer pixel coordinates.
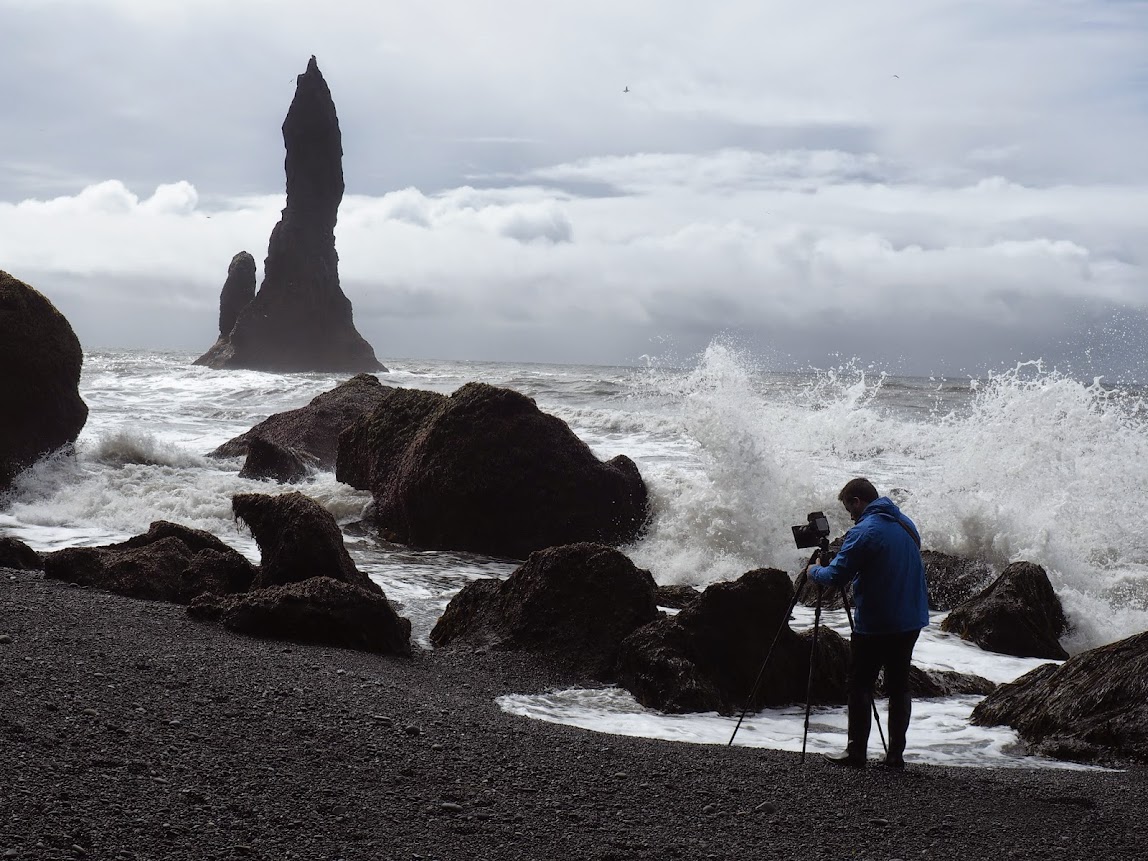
{"type": "Point", "coordinates": [823, 547]}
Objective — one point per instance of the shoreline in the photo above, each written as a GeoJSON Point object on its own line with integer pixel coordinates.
{"type": "Point", "coordinates": [131, 731]}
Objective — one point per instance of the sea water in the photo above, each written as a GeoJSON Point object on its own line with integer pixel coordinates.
{"type": "Point", "coordinates": [1030, 463]}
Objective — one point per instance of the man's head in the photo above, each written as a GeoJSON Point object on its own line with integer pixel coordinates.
{"type": "Point", "coordinates": [856, 495]}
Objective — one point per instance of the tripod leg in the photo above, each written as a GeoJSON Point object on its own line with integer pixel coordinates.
{"type": "Point", "coordinates": [809, 682]}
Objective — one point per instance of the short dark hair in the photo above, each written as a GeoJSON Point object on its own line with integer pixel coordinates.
{"type": "Point", "coordinates": [860, 488]}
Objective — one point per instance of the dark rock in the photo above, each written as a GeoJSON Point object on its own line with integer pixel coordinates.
{"type": "Point", "coordinates": [371, 450]}
{"type": "Point", "coordinates": [238, 290]}
{"type": "Point", "coordinates": [1092, 707]}
{"type": "Point", "coordinates": [314, 429]}
{"type": "Point", "coordinates": [300, 320]}
{"type": "Point", "coordinates": [317, 610]}
{"type": "Point", "coordinates": [39, 388]}
{"type": "Point", "coordinates": [952, 580]}
{"type": "Point", "coordinates": [169, 563]}
{"type": "Point", "coordinates": [298, 540]}
{"type": "Point", "coordinates": [937, 684]}
{"type": "Point", "coordinates": [17, 555]}
{"type": "Point", "coordinates": [268, 460]}
{"type": "Point", "coordinates": [1019, 614]}
{"type": "Point", "coordinates": [708, 656]}
{"type": "Point", "coordinates": [485, 470]}
{"type": "Point", "coordinates": [573, 605]}
{"type": "Point", "coordinates": [676, 597]}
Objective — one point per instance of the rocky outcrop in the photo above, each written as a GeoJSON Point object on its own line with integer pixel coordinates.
{"type": "Point", "coordinates": [486, 471]}
{"type": "Point", "coordinates": [298, 539]}
{"type": "Point", "coordinates": [571, 605]}
{"type": "Point", "coordinates": [238, 291]}
{"type": "Point", "coordinates": [1092, 707]}
{"type": "Point", "coordinates": [313, 430]}
{"type": "Point", "coordinates": [708, 656]}
{"type": "Point", "coordinates": [1019, 614]}
{"type": "Point", "coordinates": [300, 320]}
{"type": "Point", "coordinates": [17, 555]}
{"type": "Point", "coordinates": [40, 362]}
{"type": "Point", "coordinates": [952, 580]}
{"type": "Point", "coordinates": [268, 460]}
{"type": "Point", "coordinates": [169, 563]}
{"type": "Point", "coordinates": [318, 610]}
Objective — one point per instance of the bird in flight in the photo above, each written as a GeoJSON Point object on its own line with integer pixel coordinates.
{"type": "Point", "coordinates": [626, 90]}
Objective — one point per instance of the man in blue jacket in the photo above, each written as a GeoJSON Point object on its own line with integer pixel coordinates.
{"type": "Point", "coordinates": [881, 556]}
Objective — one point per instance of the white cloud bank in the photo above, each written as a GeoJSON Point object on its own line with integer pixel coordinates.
{"type": "Point", "coordinates": [776, 245]}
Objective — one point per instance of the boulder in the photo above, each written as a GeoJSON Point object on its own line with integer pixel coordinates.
{"type": "Point", "coordinates": [300, 320]}
{"type": "Point", "coordinates": [317, 610]}
{"type": "Point", "coordinates": [17, 555]}
{"type": "Point", "coordinates": [169, 563]}
{"type": "Point", "coordinates": [268, 460]}
{"type": "Point", "coordinates": [572, 605]}
{"type": "Point", "coordinates": [939, 684]}
{"type": "Point", "coordinates": [298, 539]}
{"type": "Point", "coordinates": [709, 655]}
{"type": "Point", "coordinates": [952, 580]}
{"type": "Point", "coordinates": [313, 430]}
{"type": "Point", "coordinates": [486, 471]}
{"type": "Point", "coordinates": [39, 387]}
{"type": "Point", "coordinates": [1019, 614]}
{"type": "Point", "coordinates": [1094, 707]}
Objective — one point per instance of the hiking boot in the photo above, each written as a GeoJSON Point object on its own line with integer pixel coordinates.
{"type": "Point", "coordinates": [847, 759]}
{"type": "Point", "coordinates": [897, 763]}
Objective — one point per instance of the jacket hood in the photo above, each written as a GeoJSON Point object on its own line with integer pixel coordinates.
{"type": "Point", "coordinates": [883, 507]}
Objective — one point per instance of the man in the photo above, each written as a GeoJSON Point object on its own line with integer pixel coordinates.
{"type": "Point", "coordinates": [881, 556]}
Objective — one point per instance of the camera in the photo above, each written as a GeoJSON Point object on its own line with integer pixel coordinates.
{"type": "Point", "coordinates": [812, 533]}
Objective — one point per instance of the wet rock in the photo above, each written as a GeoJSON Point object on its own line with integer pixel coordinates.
{"type": "Point", "coordinates": [169, 563]}
{"type": "Point", "coordinates": [953, 580]}
{"type": "Point", "coordinates": [486, 471]}
{"type": "Point", "coordinates": [573, 605]}
{"type": "Point", "coordinates": [1092, 707]}
{"type": "Point", "coordinates": [298, 540]}
{"type": "Point", "coordinates": [676, 597]}
{"type": "Point", "coordinates": [1019, 614]}
{"type": "Point", "coordinates": [708, 656]}
{"type": "Point", "coordinates": [268, 460]}
{"type": "Point", "coordinates": [300, 320]}
{"type": "Point", "coordinates": [318, 610]}
{"type": "Point", "coordinates": [313, 430]}
{"type": "Point", "coordinates": [40, 361]}
{"type": "Point", "coordinates": [17, 555]}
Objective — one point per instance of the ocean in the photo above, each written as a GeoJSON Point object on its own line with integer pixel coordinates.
{"type": "Point", "coordinates": [1027, 464]}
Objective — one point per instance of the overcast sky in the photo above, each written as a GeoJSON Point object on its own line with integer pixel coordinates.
{"type": "Point", "coordinates": [929, 186]}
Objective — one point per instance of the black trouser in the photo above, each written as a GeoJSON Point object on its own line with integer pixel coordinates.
{"type": "Point", "coordinates": [869, 654]}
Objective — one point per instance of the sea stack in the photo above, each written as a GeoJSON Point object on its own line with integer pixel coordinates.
{"type": "Point", "coordinates": [299, 320]}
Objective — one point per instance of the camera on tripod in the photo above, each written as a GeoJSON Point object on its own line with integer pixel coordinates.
{"type": "Point", "coordinates": [812, 533]}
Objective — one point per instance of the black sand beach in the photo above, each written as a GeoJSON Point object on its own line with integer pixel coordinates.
{"type": "Point", "coordinates": [127, 730]}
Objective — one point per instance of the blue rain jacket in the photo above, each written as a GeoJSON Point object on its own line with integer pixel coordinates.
{"type": "Point", "coordinates": [884, 563]}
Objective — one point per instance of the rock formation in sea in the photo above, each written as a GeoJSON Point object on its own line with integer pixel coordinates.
{"type": "Point", "coordinates": [1018, 614]}
{"type": "Point", "coordinates": [300, 320]}
{"type": "Point", "coordinates": [313, 430]}
{"type": "Point", "coordinates": [40, 361]}
{"type": "Point", "coordinates": [1092, 707]}
{"type": "Point", "coordinates": [485, 470]}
